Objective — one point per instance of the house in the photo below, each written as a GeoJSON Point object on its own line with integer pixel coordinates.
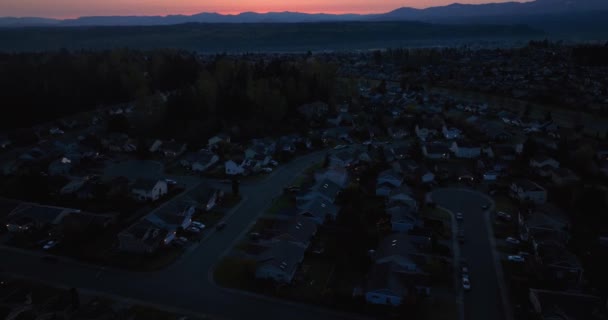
{"type": "Point", "coordinates": [428, 128]}
{"type": "Point", "coordinates": [491, 176]}
{"type": "Point", "coordinates": [424, 175]}
{"type": "Point", "coordinates": [72, 186]}
{"type": "Point", "coordinates": [200, 161]}
{"type": "Point", "coordinates": [544, 165]}
{"type": "Point", "coordinates": [564, 176]}
{"type": "Point", "coordinates": [174, 215]}
{"type": "Point", "coordinates": [398, 132]}
{"type": "Point", "coordinates": [144, 237]}
{"type": "Point", "coordinates": [28, 217]}
{"type": "Point", "coordinates": [325, 190]}
{"type": "Point", "coordinates": [526, 190]}
{"type": "Point", "coordinates": [466, 149]}
{"type": "Point", "coordinates": [546, 220]}
{"type": "Point", "coordinates": [319, 210]}
{"type": "Point", "coordinates": [214, 141]}
{"type": "Point", "coordinates": [558, 305]}
{"type": "Point", "coordinates": [337, 175]}
{"type": "Point", "coordinates": [396, 272]}
{"type": "Point", "coordinates": [149, 190]}
{"type": "Point", "coordinates": [343, 159]}
{"type": "Point", "coordinates": [400, 152]}
{"type": "Point", "coordinates": [172, 149]}
{"type": "Point", "coordinates": [390, 177]}
{"type": "Point", "coordinates": [436, 151]}
{"type": "Point", "coordinates": [402, 196]}
{"type": "Point", "coordinates": [451, 133]}
{"type": "Point", "coordinates": [337, 134]}
{"type": "Point", "coordinates": [7, 207]}
{"type": "Point", "coordinates": [504, 152]}
{"type": "Point", "coordinates": [560, 265]}
{"type": "Point", "coordinates": [232, 168]}
{"type": "Point", "coordinates": [5, 143]}
{"type": "Point", "coordinates": [390, 282]}
{"type": "Point", "coordinates": [298, 230]}
{"type": "Point", "coordinates": [403, 218]}
{"type": "Point", "coordinates": [280, 262]}
{"type": "Point", "coordinates": [60, 167]}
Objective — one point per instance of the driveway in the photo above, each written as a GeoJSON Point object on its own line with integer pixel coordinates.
{"type": "Point", "coordinates": [187, 283]}
{"type": "Point", "coordinates": [484, 301]}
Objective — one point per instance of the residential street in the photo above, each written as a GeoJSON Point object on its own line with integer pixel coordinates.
{"type": "Point", "coordinates": [187, 283]}
{"type": "Point", "coordinates": [484, 300]}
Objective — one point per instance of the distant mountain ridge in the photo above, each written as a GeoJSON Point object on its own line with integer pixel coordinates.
{"type": "Point", "coordinates": [497, 13]}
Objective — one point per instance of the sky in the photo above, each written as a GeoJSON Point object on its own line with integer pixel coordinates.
{"type": "Point", "coordinates": [77, 8]}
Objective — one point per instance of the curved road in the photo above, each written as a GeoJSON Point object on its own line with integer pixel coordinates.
{"type": "Point", "coordinates": [484, 301]}
{"type": "Point", "coordinates": [186, 285]}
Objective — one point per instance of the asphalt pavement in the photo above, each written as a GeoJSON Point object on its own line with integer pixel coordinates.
{"type": "Point", "coordinates": [484, 300]}
{"type": "Point", "coordinates": [187, 284]}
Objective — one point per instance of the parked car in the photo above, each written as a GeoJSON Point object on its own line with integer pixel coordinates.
{"type": "Point", "coordinates": [171, 182]}
{"type": "Point", "coordinates": [518, 259]}
{"type": "Point", "coordinates": [193, 229]}
{"type": "Point", "coordinates": [254, 236]}
{"type": "Point", "coordinates": [485, 206]}
{"type": "Point", "coordinates": [220, 226]}
{"type": "Point", "coordinates": [459, 216]}
{"type": "Point", "coordinates": [512, 240]}
{"type": "Point", "coordinates": [292, 189]}
{"type": "Point", "coordinates": [274, 163]}
{"type": "Point", "coordinates": [267, 170]}
{"type": "Point", "coordinates": [50, 244]}
{"type": "Point", "coordinates": [198, 225]}
{"type": "Point", "coordinates": [466, 283]}
{"type": "Point", "coordinates": [504, 216]}
{"type": "Point", "coordinates": [340, 146]}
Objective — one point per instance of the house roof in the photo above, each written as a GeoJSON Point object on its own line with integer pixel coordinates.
{"type": "Point", "coordinates": [528, 185]}
{"type": "Point", "coordinates": [435, 148]}
{"type": "Point", "coordinates": [389, 174]}
{"type": "Point", "coordinates": [282, 255]}
{"type": "Point", "coordinates": [42, 214]}
{"type": "Point", "coordinates": [144, 184]}
{"type": "Point", "coordinates": [147, 232]}
{"type": "Point", "coordinates": [567, 305]}
{"type": "Point", "coordinates": [298, 229]}
{"type": "Point", "coordinates": [555, 254]}
{"type": "Point", "coordinates": [394, 245]}
{"type": "Point", "coordinates": [320, 208]}
{"type": "Point", "coordinates": [392, 278]}
{"type": "Point", "coordinates": [402, 213]}
{"type": "Point", "coordinates": [328, 188]}
{"type": "Point", "coordinates": [7, 206]}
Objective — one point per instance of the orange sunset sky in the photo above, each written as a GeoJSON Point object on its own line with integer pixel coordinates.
{"type": "Point", "coordinates": [76, 8]}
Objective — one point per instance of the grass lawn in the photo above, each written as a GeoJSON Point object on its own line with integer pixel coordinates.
{"type": "Point", "coordinates": [506, 204]}
{"type": "Point", "coordinates": [281, 203]}
{"type": "Point", "coordinates": [440, 308]}
{"type": "Point", "coordinates": [317, 275]}
{"type": "Point", "coordinates": [436, 213]}
{"type": "Point", "coordinates": [235, 272]}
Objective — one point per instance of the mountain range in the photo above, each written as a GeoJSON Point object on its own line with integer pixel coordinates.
{"type": "Point", "coordinates": [507, 12]}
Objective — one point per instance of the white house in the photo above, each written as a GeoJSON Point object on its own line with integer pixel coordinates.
{"type": "Point", "coordinates": [150, 190]}
{"type": "Point", "coordinates": [526, 190]}
{"type": "Point", "coordinates": [144, 237]}
{"type": "Point", "coordinates": [336, 175]}
{"type": "Point", "coordinates": [233, 169]}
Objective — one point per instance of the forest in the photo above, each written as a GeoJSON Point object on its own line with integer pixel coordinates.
{"type": "Point", "coordinates": [177, 94]}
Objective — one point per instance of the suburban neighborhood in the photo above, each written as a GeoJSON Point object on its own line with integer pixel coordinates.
{"type": "Point", "coordinates": [395, 200]}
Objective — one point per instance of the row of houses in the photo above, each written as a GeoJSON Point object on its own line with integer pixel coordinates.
{"type": "Point", "coordinates": [160, 227]}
